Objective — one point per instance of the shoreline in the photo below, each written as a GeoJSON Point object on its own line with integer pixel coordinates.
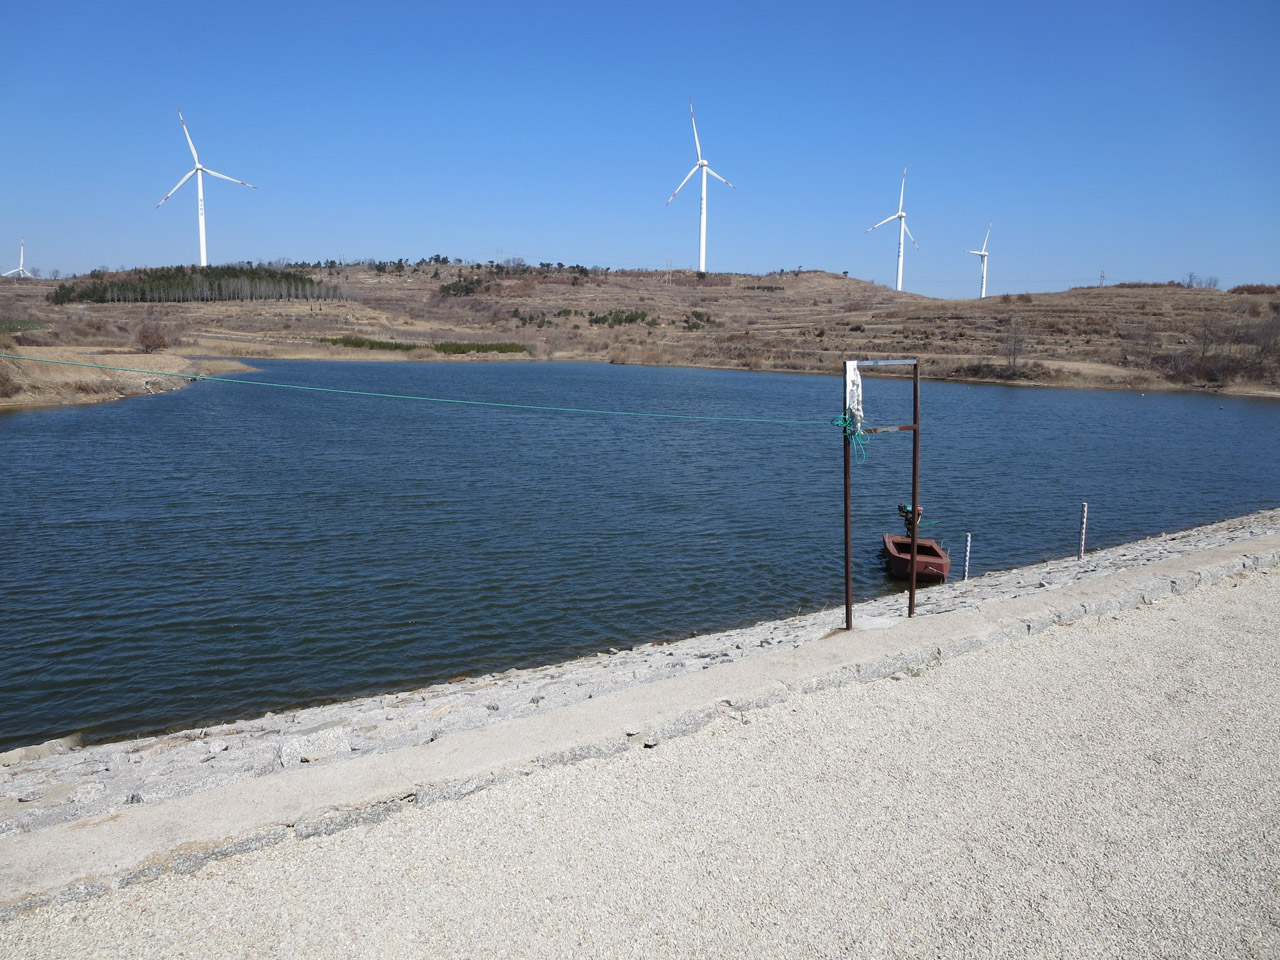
{"type": "Point", "coordinates": [95, 384]}
{"type": "Point", "coordinates": [1101, 789]}
{"type": "Point", "coordinates": [346, 764]}
{"type": "Point", "coordinates": [643, 657]}
{"type": "Point", "coordinates": [55, 377]}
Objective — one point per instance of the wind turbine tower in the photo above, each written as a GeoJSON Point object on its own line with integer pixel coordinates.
{"type": "Point", "coordinates": [983, 254]}
{"type": "Point", "coordinates": [20, 269]}
{"type": "Point", "coordinates": [903, 231]}
{"type": "Point", "coordinates": [199, 170]}
{"type": "Point", "coordinates": [700, 165]}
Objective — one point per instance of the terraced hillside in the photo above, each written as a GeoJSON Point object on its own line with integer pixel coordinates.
{"type": "Point", "coordinates": [1139, 336]}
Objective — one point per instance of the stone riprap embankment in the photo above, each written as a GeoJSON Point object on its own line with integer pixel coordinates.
{"type": "Point", "coordinates": [316, 770]}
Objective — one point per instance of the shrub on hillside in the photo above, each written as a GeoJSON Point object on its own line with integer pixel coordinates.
{"type": "Point", "coordinates": [1214, 369]}
{"type": "Point", "coordinates": [462, 287]}
{"type": "Point", "coordinates": [617, 318]}
{"type": "Point", "coordinates": [151, 338]}
{"type": "Point", "coordinates": [37, 338]}
{"type": "Point", "coordinates": [986, 370]}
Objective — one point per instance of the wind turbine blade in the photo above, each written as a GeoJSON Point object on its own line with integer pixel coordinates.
{"type": "Point", "coordinates": [883, 222]}
{"type": "Point", "coordinates": [903, 194]}
{"type": "Point", "coordinates": [194, 156]}
{"type": "Point", "coordinates": [986, 238]}
{"type": "Point", "coordinates": [175, 189]}
{"type": "Point", "coordinates": [908, 229]}
{"type": "Point", "coordinates": [696, 145]}
{"type": "Point", "coordinates": [718, 177]}
{"type": "Point", "coordinates": [223, 176]}
{"type": "Point", "coordinates": [682, 183]}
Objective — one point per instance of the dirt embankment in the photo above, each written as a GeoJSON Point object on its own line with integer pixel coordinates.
{"type": "Point", "coordinates": [60, 375]}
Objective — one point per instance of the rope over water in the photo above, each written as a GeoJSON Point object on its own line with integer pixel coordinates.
{"type": "Point", "coordinates": [401, 396]}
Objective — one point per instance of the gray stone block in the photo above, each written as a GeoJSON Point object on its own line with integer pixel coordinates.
{"type": "Point", "coordinates": [1096, 608]}
{"type": "Point", "coordinates": [7, 913]}
{"type": "Point", "coordinates": [959, 647]}
{"type": "Point", "coordinates": [595, 751]}
{"type": "Point", "coordinates": [150, 872]}
{"type": "Point", "coordinates": [49, 748]}
{"type": "Point", "coordinates": [317, 745]}
{"type": "Point", "coordinates": [774, 696]}
{"type": "Point", "coordinates": [830, 680]}
{"type": "Point", "coordinates": [195, 860]}
{"type": "Point", "coordinates": [345, 821]}
{"type": "Point", "coordinates": [457, 789]}
{"type": "Point", "coordinates": [1009, 632]}
{"type": "Point", "coordinates": [1042, 622]}
{"type": "Point", "coordinates": [681, 726]}
{"type": "Point", "coordinates": [1156, 589]}
{"type": "Point", "coordinates": [1128, 599]}
{"type": "Point", "coordinates": [916, 659]}
{"type": "Point", "coordinates": [188, 862]}
{"type": "Point", "coordinates": [80, 892]}
{"type": "Point", "coordinates": [1073, 613]}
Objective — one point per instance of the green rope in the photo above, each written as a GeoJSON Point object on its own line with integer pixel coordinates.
{"type": "Point", "coordinates": [854, 433]}
{"type": "Point", "coordinates": [401, 396]}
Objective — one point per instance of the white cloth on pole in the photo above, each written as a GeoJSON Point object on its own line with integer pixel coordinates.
{"type": "Point", "coordinates": [853, 393]}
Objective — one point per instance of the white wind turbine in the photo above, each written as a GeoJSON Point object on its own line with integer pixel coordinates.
{"type": "Point", "coordinates": [199, 170]}
{"type": "Point", "coordinates": [20, 269]}
{"type": "Point", "coordinates": [700, 165]}
{"type": "Point", "coordinates": [901, 217]}
{"type": "Point", "coordinates": [983, 254]}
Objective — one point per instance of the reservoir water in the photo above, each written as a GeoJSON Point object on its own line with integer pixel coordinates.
{"type": "Point", "coordinates": [233, 548]}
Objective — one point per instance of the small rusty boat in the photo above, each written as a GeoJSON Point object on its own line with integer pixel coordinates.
{"type": "Point", "coordinates": [933, 564]}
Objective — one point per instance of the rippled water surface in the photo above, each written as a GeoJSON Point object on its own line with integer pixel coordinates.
{"type": "Point", "coordinates": [230, 549]}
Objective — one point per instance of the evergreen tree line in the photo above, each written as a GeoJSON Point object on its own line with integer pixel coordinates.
{"type": "Point", "coordinates": [195, 284]}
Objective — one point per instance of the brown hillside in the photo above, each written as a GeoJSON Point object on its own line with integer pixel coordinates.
{"type": "Point", "coordinates": [1137, 337]}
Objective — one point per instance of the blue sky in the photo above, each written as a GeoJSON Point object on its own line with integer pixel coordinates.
{"type": "Point", "coordinates": [1141, 139]}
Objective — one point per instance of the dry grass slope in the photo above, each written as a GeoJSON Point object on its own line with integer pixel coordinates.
{"type": "Point", "coordinates": [1136, 337]}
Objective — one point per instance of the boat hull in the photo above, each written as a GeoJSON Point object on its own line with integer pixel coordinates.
{"type": "Point", "coordinates": [933, 564]}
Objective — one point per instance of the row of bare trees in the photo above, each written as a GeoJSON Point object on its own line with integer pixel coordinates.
{"type": "Point", "coordinates": [196, 284]}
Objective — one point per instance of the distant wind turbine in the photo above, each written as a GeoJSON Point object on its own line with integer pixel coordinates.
{"type": "Point", "coordinates": [700, 165]}
{"type": "Point", "coordinates": [20, 269]}
{"type": "Point", "coordinates": [901, 217]}
{"type": "Point", "coordinates": [199, 170]}
{"type": "Point", "coordinates": [983, 254]}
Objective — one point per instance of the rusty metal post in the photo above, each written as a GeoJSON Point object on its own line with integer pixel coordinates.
{"type": "Point", "coordinates": [915, 484]}
{"type": "Point", "coordinates": [848, 535]}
